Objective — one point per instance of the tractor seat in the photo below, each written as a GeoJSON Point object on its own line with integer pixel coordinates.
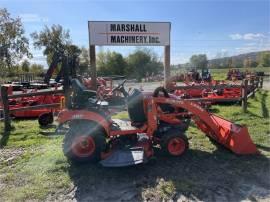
{"type": "Point", "coordinates": [135, 107]}
{"type": "Point", "coordinates": [82, 97]}
{"type": "Point", "coordinates": [81, 90]}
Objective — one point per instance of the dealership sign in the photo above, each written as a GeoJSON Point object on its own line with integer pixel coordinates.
{"type": "Point", "coordinates": [115, 33]}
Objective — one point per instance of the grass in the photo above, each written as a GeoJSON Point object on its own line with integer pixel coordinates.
{"type": "Point", "coordinates": [41, 172]}
{"type": "Point", "coordinates": [38, 172]}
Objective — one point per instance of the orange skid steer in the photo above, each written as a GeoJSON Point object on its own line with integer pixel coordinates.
{"type": "Point", "coordinates": [157, 120]}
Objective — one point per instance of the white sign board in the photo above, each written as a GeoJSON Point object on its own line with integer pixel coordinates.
{"type": "Point", "coordinates": [116, 33]}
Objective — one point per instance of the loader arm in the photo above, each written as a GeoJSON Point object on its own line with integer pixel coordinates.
{"type": "Point", "coordinates": [233, 136]}
{"type": "Point", "coordinates": [55, 61]}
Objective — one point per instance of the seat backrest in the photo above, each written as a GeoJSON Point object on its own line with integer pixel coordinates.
{"type": "Point", "coordinates": [135, 107]}
{"type": "Point", "coordinates": [82, 97]}
{"type": "Point", "coordinates": [77, 85]}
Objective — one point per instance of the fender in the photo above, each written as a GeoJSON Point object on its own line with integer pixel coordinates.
{"type": "Point", "coordinates": [67, 115]}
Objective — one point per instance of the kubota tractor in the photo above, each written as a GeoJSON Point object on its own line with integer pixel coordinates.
{"type": "Point", "coordinates": [157, 119]}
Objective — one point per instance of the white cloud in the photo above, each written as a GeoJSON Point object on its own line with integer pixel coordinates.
{"type": "Point", "coordinates": [251, 36]}
{"type": "Point", "coordinates": [32, 17]}
{"type": "Point", "coordinates": [252, 44]}
{"type": "Point", "coordinates": [247, 36]}
{"type": "Point", "coordinates": [248, 48]}
{"type": "Point", "coordinates": [235, 36]}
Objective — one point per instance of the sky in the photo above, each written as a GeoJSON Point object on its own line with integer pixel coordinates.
{"type": "Point", "coordinates": [214, 27]}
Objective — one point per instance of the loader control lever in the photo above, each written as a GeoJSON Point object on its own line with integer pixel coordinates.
{"type": "Point", "coordinates": [121, 88]}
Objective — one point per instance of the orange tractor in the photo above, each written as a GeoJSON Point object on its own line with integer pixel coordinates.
{"type": "Point", "coordinates": [157, 120]}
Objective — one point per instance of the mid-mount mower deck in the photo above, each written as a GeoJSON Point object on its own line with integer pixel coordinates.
{"type": "Point", "coordinates": [157, 120]}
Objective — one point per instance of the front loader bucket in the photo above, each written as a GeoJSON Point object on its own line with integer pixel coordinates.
{"type": "Point", "coordinates": [234, 137]}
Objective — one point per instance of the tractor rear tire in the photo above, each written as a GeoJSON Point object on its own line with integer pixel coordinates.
{"type": "Point", "coordinates": [84, 142]}
{"type": "Point", "coordinates": [174, 143]}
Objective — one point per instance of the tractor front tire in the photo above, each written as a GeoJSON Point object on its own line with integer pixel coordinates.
{"type": "Point", "coordinates": [174, 143]}
{"type": "Point", "coordinates": [84, 142]}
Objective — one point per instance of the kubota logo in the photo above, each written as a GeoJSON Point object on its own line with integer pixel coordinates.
{"type": "Point", "coordinates": [77, 116]}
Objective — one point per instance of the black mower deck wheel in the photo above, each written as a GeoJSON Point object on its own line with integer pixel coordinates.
{"type": "Point", "coordinates": [45, 119]}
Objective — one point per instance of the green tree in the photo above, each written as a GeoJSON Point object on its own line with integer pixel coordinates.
{"type": "Point", "coordinates": [54, 40]}
{"type": "Point", "coordinates": [264, 59]}
{"type": "Point", "coordinates": [199, 61]}
{"type": "Point", "coordinates": [102, 58]}
{"type": "Point", "coordinates": [14, 71]}
{"type": "Point", "coordinates": [73, 51]}
{"type": "Point", "coordinates": [110, 63]}
{"type": "Point", "coordinates": [248, 62]}
{"type": "Point", "coordinates": [230, 62]}
{"type": "Point", "coordinates": [13, 44]}
{"type": "Point", "coordinates": [25, 66]}
{"type": "Point", "coordinates": [141, 63]}
{"type": "Point", "coordinates": [254, 63]}
{"type": "Point", "coordinates": [84, 61]}
{"type": "Point", "coordinates": [37, 69]}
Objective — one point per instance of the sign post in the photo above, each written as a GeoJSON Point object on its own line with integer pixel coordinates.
{"type": "Point", "coordinates": [93, 71]}
{"type": "Point", "coordinates": [129, 33]}
{"type": "Point", "coordinates": [167, 72]}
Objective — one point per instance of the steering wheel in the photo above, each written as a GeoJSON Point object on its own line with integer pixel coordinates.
{"type": "Point", "coordinates": [121, 85]}
{"type": "Point", "coordinates": [161, 89]}
{"type": "Point", "coordinates": [166, 108]}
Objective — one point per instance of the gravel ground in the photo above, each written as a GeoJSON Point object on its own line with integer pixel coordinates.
{"type": "Point", "coordinates": [208, 178]}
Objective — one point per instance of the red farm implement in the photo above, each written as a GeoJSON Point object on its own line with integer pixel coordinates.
{"type": "Point", "coordinates": [215, 91]}
{"type": "Point", "coordinates": [36, 106]}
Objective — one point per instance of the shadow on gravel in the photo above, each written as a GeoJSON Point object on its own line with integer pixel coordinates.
{"type": "Point", "coordinates": [4, 137]}
{"type": "Point", "coordinates": [265, 111]}
{"type": "Point", "coordinates": [197, 175]}
{"type": "Point", "coordinates": [263, 148]}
